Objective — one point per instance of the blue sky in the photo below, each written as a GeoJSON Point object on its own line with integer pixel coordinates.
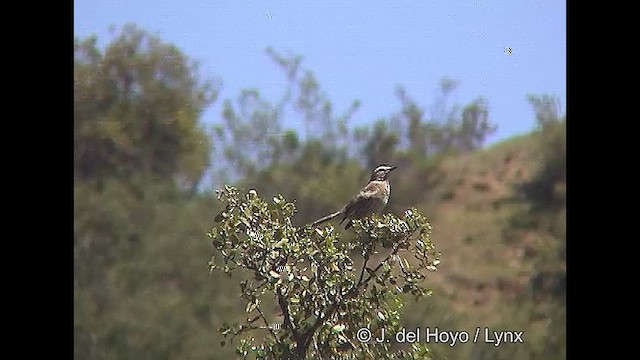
{"type": "Point", "coordinates": [363, 49]}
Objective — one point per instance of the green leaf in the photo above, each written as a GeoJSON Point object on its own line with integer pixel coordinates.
{"type": "Point", "coordinates": [338, 328]}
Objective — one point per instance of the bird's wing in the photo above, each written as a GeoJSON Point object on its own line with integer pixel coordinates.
{"type": "Point", "coordinates": [356, 208]}
{"type": "Point", "coordinates": [370, 190]}
{"type": "Point", "coordinates": [363, 200]}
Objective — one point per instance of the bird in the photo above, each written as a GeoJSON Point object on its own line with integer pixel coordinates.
{"type": "Point", "coordinates": [371, 199]}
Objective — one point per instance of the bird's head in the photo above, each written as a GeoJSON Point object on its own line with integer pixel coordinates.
{"type": "Point", "coordinates": [381, 171]}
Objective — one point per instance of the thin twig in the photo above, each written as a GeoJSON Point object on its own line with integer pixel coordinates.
{"type": "Point", "coordinates": [364, 266]}
{"type": "Point", "coordinates": [266, 323]}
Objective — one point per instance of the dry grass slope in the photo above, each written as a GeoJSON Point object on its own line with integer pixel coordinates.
{"type": "Point", "coordinates": [488, 255]}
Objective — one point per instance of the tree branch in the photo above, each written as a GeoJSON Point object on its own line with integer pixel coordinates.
{"type": "Point", "coordinates": [308, 335]}
{"type": "Point", "coordinates": [287, 319]}
{"type": "Point", "coordinates": [266, 323]}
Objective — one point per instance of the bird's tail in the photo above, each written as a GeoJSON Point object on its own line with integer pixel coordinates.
{"type": "Point", "coordinates": [325, 218]}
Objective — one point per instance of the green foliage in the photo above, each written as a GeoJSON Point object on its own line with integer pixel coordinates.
{"type": "Point", "coordinates": [252, 136]}
{"type": "Point", "coordinates": [446, 130]}
{"type": "Point", "coordinates": [136, 110]}
{"type": "Point", "coordinates": [379, 143]}
{"type": "Point", "coordinates": [139, 153]}
{"type": "Point", "coordinates": [474, 127]}
{"type": "Point", "coordinates": [139, 292]}
{"type": "Point", "coordinates": [312, 276]}
{"type": "Point", "coordinates": [543, 306]}
{"type": "Point", "coordinates": [547, 189]}
{"type": "Point", "coordinates": [318, 182]}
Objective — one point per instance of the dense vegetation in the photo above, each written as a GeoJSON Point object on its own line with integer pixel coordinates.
{"type": "Point", "coordinates": [146, 167]}
{"type": "Point", "coordinates": [325, 298]}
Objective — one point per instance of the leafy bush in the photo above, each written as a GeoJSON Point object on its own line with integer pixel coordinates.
{"type": "Point", "coordinates": [311, 275]}
{"type": "Point", "coordinates": [549, 185]}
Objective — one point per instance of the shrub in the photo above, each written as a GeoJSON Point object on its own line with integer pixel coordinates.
{"type": "Point", "coordinates": [312, 277]}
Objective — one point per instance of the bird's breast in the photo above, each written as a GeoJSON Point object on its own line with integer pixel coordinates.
{"type": "Point", "coordinates": [383, 198]}
{"type": "Point", "coordinates": [387, 192]}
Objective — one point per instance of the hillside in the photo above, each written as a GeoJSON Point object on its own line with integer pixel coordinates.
{"type": "Point", "coordinates": [477, 199]}
{"type": "Point", "coordinates": [492, 247]}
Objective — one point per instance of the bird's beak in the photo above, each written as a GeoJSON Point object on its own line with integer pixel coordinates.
{"type": "Point", "coordinates": [393, 168]}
